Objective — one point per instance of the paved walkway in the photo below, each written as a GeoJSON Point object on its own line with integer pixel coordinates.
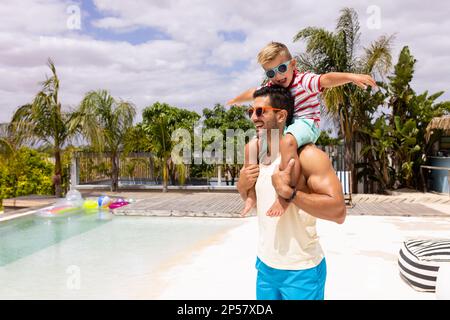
{"type": "Point", "coordinates": [215, 204]}
{"type": "Point", "coordinates": [230, 205]}
{"type": "Point", "coordinates": [397, 209]}
{"type": "Point", "coordinates": [403, 197]}
{"type": "Point", "coordinates": [181, 204]}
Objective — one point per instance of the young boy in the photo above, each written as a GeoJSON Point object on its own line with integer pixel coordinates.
{"type": "Point", "coordinates": [280, 69]}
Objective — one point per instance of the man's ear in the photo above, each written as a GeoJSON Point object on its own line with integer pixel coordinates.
{"type": "Point", "coordinates": [282, 116]}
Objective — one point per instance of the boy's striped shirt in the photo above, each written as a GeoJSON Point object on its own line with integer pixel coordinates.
{"type": "Point", "coordinates": [305, 88]}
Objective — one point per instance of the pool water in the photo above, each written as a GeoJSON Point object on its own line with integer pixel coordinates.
{"type": "Point", "coordinates": [88, 257]}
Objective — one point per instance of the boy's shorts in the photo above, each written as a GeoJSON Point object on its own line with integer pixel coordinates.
{"type": "Point", "coordinates": [276, 284]}
{"type": "Point", "coordinates": [304, 130]}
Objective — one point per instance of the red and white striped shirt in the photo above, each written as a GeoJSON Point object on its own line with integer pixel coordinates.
{"type": "Point", "coordinates": [305, 88]}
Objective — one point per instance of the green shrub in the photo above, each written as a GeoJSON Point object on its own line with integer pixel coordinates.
{"type": "Point", "coordinates": [27, 172]}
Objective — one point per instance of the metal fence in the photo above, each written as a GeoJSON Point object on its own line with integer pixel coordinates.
{"type": "Point", "coordinates": [143, 168]}
{"type": "Point", "coordinates": [134, 168]}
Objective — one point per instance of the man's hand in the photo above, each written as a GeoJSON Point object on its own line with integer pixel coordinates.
{"type": "Point", "coordinates": [248, 176]}
{"type": "Point", "coordinates": [282, 179]}
{"type": "Point", "coordinates": [363, 80]}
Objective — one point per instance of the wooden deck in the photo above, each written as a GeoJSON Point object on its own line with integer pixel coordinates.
{"type": "Point", "coordinates": [28, 201]}
{"type": "Point", "coordinates": [216, 204]}
{"type": "Point", "coordinates": [230, 205]}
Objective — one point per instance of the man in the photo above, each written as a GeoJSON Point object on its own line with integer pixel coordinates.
{"type": "Point", "coordinates": [290, 261]}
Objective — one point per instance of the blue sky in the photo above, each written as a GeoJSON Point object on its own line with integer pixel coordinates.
{"type": "Point", "coordinates": [191, 54]}
{"type": "Point", "coordinates": [141, 34]}
{"type": "Point", "coordinates": [138, 35]}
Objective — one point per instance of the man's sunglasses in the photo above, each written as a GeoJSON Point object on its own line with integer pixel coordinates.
{"type": "Point", "coordinates": [259, 111]}
{"type": "Point", "coordinates": [282, 68]}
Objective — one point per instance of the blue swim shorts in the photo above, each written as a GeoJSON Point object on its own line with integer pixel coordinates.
{"type": "Point", "coordinates": [276, 284]}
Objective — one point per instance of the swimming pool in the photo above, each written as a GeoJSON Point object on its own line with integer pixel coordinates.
{"type": "Point", "coordinates": [85, 257]}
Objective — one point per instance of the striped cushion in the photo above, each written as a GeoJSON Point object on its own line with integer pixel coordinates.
{"type": "Point", "coordinates": [419, 262]}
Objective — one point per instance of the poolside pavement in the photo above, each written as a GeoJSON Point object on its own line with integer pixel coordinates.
{"type": "Point", "coordinates": [361, 253]}
{"type": "Point", "coordinates": [361, 257]}
{"type": "Point", "coordinates": [230, 205]}
{"type": "Point", "coordinates": [226, 205]}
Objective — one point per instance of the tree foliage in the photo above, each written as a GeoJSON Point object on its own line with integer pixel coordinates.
{"type": "Point", "coordinates": [28, 172]}
{"type": "Point", "coordinates": [160, 120]}
{"type": "Point", "coordinates": [105, 122]}
{"type": "Point", "coordinates": [43, 121]}
{"type": "Point", "coordinates": [232, 119]}
{"type": "Point", "coordinates": [337, 52]}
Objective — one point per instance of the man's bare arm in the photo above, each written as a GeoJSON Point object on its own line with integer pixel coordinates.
{"type": "Point", "coordinates": [326, 200]}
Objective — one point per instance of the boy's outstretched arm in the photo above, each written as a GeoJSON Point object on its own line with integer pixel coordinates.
{"type": "Point", "coordinates": [243, 97]}
{"type": "Point", "coordinates": [335, 79]}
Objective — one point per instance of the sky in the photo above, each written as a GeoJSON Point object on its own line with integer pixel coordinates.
{"type": "Point", "coordinates": [191, 54]}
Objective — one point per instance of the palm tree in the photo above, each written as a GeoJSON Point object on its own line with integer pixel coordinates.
{"type": "Point", "coordinates": [6, 144]}
{"type": "Point", "coordinates": [42, 121]}
{"type": "Point", "coordinates": [411, 113]}
{"type": "Point", "coordinates": [105, 122]}
{"type": "Point", "coordinates": [159, 122]}
{"type": "Point", "coordinates": [223, 119]}
{"type": "Point", "coordinates": [337, 52]}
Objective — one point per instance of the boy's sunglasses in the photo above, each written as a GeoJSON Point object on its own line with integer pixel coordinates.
{"type": "Point", "coordinates": [259, 111]}
{"type": "Point", "coordinates": [282, 68]}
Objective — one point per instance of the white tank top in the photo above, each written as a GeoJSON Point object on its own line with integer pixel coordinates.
{"type": "Point", "coordinates": [288, 242]}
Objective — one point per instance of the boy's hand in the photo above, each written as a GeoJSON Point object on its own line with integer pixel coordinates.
{"type": "Point", "coordinates": [363, 80]}
{"type": "Point", "coordinates": [230, 102]}
{"type": "Point", "coordinates": [245, 96]}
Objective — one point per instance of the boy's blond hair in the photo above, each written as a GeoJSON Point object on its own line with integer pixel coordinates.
{"type": "Point", "coordinates": [271, 51]}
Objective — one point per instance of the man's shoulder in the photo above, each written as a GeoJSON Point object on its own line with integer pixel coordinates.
{"type": "Point", "coordinates": [310, 150]}
{"type": "Point", "coordinates": [311, 157]}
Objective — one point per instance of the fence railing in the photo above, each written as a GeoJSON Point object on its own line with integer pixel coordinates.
{"type": "Point", "coordinates": [134, 168]}
{"type": "Point", "coordinates": [143, 168]}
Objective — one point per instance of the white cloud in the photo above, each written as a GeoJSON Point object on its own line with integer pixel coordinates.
{"type": "Point", "coordinates": [33, 17]}
{"type": "Point", "coordinates": [186, 69]}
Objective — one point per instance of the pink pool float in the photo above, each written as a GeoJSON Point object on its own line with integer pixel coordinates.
{"type": "Point", "coordinates": [118, 203]}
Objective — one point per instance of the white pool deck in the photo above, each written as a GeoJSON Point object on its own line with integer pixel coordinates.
{"type": "Point", "coordinates": [361, 260]}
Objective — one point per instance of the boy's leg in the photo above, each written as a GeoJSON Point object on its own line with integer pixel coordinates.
{"type": "Point", "coordinates": [299, 133]}
{"type": "Point", "coordinates": [251, 157]}
{"type": "Point", "coordinates": [288, 150]}
{"type": "Point", "coordinates": [250, 202]}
